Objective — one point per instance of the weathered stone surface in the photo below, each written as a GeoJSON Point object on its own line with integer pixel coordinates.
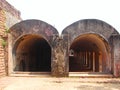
{"type": "Point", "coordinates": [8, 17]}
{"type": "Point", "coordinates": [59, 54]}
{"type": "Point", "coordinates": [2, 50]}
{"type": "Point", "coordinates": [116, 55]}
{"type": "Point", "coordinates": [4, 5]}
{"type": "Point", "coordinates": [35, 27]}
{"type": "Point", "coordinates": [89, 26]}
{"type": "Point", "coordinates": [104, 32]}
{"type": "Point", "coordinates": [99, 33]}
{"type": "Point", "coordinates": [10, 20]}
{"type": "Point", "coordinates": [106, 38]}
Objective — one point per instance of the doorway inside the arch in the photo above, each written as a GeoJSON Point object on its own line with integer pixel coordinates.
{"type": "Point", "coordinates": [32, 53]}
{"type": "Point", "coordinates": [89, 53]}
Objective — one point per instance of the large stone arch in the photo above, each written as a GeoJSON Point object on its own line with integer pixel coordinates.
{"type": "Point", "coordinates": [95, 33]}
{"type": "Point", "coordinates": [31, 37]}
{"type": "Point", "coordinates": [90, 53]}
{"type": "Point", "coordinates": [88, 31]}
{"type": "Point", "coordinates": [90, 26]}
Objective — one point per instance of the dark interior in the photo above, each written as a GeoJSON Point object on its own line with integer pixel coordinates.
{"type": "Point", "coordinates": [33, 53]}
{"type": "Point", "coordinates": [86, 54]}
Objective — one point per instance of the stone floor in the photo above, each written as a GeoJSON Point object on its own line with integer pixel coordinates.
{"type": "Point", "coordinates": [52, 83]}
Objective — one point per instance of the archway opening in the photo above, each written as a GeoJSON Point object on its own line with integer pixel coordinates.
{"type": "Point", "coordinates": [32, 53]}
{"type": "Point", "coordinates": [88, 53]}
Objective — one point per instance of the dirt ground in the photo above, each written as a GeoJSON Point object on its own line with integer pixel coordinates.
{"type": "Point", "coordinates": [52, 83]}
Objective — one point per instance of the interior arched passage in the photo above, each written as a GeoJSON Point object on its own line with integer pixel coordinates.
{"type": "Point", "coordinates": [89, 53]}
{"type": "Point", "coordinates": [32, 53]}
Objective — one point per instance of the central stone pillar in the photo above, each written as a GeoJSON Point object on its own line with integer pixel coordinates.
{"type": "Point", "coordinates": [59, 50]}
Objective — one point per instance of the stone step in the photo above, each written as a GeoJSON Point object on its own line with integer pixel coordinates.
{"type": "Point", "coordinates": [90, 75]}
{"type": "Point", "coordinates": [71, 74]}
{"type": "Point", "coordinates": [31, 74]}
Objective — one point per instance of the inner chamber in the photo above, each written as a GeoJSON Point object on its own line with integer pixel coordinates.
{"type": "Point", "coordinates": [32, 53]}
{"type": "Point", "coordinates": [88, 54]}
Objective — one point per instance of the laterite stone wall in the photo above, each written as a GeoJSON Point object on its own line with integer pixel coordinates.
{"type": "Point", "coordinates": [8, 17]}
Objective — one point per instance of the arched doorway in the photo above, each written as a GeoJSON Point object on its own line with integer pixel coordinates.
{"type": "Point", "coordinates": [89, 53]}
{"type": "Point", "coordinates": [32, 53]}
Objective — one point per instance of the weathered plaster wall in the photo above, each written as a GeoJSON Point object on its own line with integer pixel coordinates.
{"type": "Point", "coordinates": [31, 27]}
{"type": "Point", "coordinates": [8, 17]}
{"type": "Point", "coordinates": [89, 26]}
{"type": "Point", "coordinates": [36, 27]}
{"type": "Point", "coordinates": [116, 55]}
{"type": "Point", "coordinates": [60, 56]}
{"type": "Point", "coordinates": [60, 45]}
{"type": "Point", "coordinates": [103, 30]}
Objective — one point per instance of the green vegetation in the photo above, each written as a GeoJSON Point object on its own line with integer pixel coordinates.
{"type": "Point", "coordinates": [3, 42]}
